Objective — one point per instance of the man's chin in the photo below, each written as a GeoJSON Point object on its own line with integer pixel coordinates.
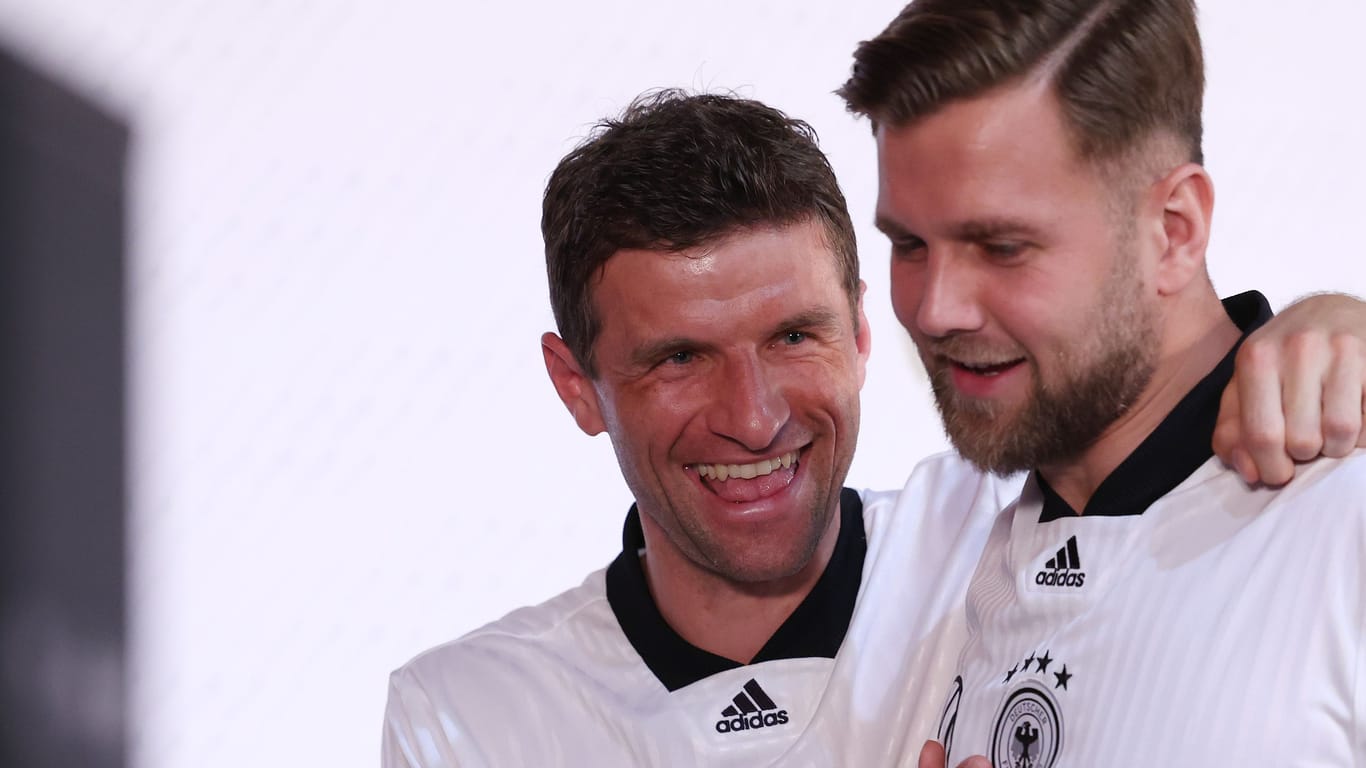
{"type": "Point", "coordinates": [1020, 442]}
{"type": "Point", "coordinates": [777, 548]}
{"type": "Point", "coordinates": [988, 458]}
{"type": "Point", "coordinates": [765, 571]}
{"type": "Point", "coordinates": [983, 434]}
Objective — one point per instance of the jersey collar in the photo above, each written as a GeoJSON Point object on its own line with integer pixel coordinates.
{"type": "Point", "coordinates": [815, 629]}
{"type": "Point", "coordinates": [1179, 445]}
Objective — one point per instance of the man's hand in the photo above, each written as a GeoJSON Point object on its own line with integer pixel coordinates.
{"type": "Point", "coordinates": [932, 756]}
{"type": "Point", "coordinates": [1297, 390]}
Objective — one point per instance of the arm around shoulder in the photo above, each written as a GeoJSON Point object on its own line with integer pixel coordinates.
{"type": "Point", "coordinates": [1299, 390]}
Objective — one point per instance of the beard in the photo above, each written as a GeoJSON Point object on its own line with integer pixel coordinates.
{"type": "Point", "coordinates": [1100, 376]}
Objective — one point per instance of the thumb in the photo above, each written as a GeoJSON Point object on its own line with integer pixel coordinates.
{"type": "Point", "coordinates": [931, 755]}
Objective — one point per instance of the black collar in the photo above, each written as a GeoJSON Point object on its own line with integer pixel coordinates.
{"type": "Point", "coordinates": [815, 629]}
{"type": "Point", "coordinates": [1179, 445]}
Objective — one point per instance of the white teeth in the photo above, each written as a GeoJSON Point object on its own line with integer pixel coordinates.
{"type": "Point", "coordinates": [984, 368]}
{"type": "Point", "coordinates": [746, 471]}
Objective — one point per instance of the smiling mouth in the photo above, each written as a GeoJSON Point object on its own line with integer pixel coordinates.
{"type": "Point", "coordinates": [986, 369]}
{"type": "Point", "coordinates": [760, 468]}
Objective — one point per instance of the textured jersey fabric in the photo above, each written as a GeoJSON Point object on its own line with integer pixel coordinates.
{"type": "Point", "coordinates": [594, 677]}
{"type": "Point", "coordinates": [1185, 619]}
{"type": "Point", "coordinates": [1223, 626]}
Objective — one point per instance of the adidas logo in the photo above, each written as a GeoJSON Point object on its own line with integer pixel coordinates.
{"type": "Point", "coordinates": [752, 708]}
{"type": "Point", "coordinates": [1063, 569]}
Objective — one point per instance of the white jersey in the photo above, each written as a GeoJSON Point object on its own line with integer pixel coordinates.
{"type": "Point", "coordinates": [1184, 620]}
{"type": "Point", "coordinates": [596, 677]}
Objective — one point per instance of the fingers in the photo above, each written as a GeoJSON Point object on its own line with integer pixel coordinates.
{"type": "Point", "coordinates": [1343, 398]}
{"type": "Point", "coordinates": [1298, 391]}
{"type": "Point", "coordinates": [1305, 364]}
{"type": "Point", "coordinates": [931, 755]}
{"type": "Point", "coordinates": [1262, 422]}
{"type": "Point", "coordinates": [1292, 402]}
{"type": "Point", "coordinates": [1228, 435]}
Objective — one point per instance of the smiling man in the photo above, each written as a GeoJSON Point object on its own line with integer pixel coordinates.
{"type": "Point", "coordinates": [705, 283]}
{"type": "Point", "coordinates": [728, 376]}
{"type": "Point", "coordinates": [1042, 187]}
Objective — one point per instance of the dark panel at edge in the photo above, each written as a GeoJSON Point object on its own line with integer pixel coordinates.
{"type": "Point", "coordinates": [63, 604]}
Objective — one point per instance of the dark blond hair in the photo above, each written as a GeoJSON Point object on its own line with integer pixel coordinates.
{"type": "Point", "coordinates": [1124, 71]}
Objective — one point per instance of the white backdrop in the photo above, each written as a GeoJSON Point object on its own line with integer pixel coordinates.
{"type": "Point", "coordinates": [345, 448]}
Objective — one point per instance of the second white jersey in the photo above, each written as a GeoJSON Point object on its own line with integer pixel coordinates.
{"type": "Point", "coordinates": [886, 691]}
{"type": "Point", "coordinates": [1185, 619]}
{"type": "Point", "coordinates": [1223, 626]}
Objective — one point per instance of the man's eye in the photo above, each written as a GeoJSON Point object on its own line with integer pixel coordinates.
{"type": "Point", "coordinates": [1006, 250]}
{"type": "Point", "coordinates": [907, 247]}
{"type": "Point", "coordinates": [794, 337]}
{"type": "Point", "coordinates": [680, 357]}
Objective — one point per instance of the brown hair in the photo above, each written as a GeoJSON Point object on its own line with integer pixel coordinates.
{"type": "Point", "coordinates": [1124, 71]}
{"type": "Point", "coordinates": [675, 171]}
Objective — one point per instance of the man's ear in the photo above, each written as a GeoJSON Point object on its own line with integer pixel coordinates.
{"type": "Point", "coordinates": [573, 386]}
{"type": "Point", "coordinates": [863, 341]}
{"type": "Point", "coordinates": [1186, 199]}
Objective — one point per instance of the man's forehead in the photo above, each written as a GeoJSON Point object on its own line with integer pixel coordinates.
{"type": "Point", "coordinates": [998, 163]}
{"type": "Point", "coordinates": [1020, 115]}
{"type": "Point", "coordinates": [724, 282]}
{"type": "Point", "coordinates": [741, 258]}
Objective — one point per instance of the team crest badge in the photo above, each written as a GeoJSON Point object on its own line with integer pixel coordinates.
{"type": "Point", "coordinates": [1029, 730]}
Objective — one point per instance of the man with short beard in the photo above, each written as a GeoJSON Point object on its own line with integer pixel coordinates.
{"type": "Point", "coordinates": [1041, 185]}
{"type": "Point", "coordinates": [1100, 377]}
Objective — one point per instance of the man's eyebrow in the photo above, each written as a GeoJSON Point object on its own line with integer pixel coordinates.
{"type": "Point", "coordinates": [975, 230]}
{"type": "Point", "coordinates": [811, 318]}
{"type": "Point", "coordinates": [987, 229]}
{"type": "Point", "coordinates": [651, 352]}
{"type": "Point", "coordinates": [890, 228]}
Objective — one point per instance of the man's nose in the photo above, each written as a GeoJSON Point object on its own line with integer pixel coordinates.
{"type": "Point", "coordinates": [749, 405]}
{"type": "Point", "coordinates": [948, 297]}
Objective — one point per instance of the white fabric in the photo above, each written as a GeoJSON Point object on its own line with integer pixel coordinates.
{"type": "Point", "coordinates": [1223, 626]}
{"type": "Point", "coordinates": [559, 685]}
